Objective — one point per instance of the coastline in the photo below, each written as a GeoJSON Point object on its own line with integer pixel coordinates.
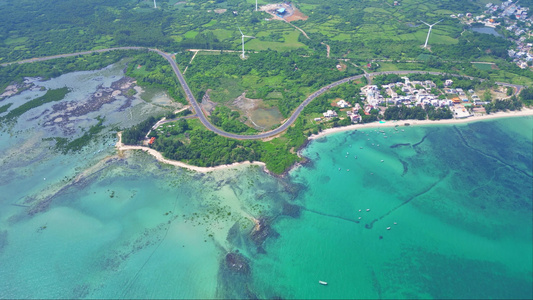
{"type": "Point", "coordinates": [521, 113]}
{"type": "Point", "coordinates": [121, 147]}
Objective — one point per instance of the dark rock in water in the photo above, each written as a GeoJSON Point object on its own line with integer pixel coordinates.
{"type": "Point", "coordinates": [234, 278]}
{"type": "Point", "coordinates": [400, 145]}
{"type": "Point", "coordinates": [233, 233]}
{"type": "Point", "coordinates": [237, 263]}
{"type": "Point", "coordinates": [250, 294]}
{"type": "Point", "coordinates": [405, 167]}
{"type": "Point", "coordinates": [291, 210]}
{"type": "Point", "coordinates": [262, 231]}
{"type": "Point", "coordinates": [80, 291]}
{"type": "Point", "coordinates": [293, 189]}
{"type": "Point", "coordinates": [3, 239]}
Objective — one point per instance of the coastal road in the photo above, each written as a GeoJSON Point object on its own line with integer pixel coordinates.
{"type": "Point", "coordinates": [70, 55]}
{"type": "Point", "coordinates": [297, 111]}
{"type": "Point", "coordinates": [201, 116]}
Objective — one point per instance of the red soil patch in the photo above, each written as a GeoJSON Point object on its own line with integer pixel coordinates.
{"type": "Point", "coordinates": [297, 15]}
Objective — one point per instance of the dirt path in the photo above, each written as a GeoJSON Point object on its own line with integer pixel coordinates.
{"type": "Point", "coordinates": [195, 52]}
{"type": "Point", "coordinates": [328, 48]}
{"type": "Point", "coordinates": [368, 78]}
{"type": "Point", "coordinates": [301, 30]}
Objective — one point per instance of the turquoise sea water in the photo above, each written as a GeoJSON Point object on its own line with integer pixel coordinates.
{"type": "Point", "coordinates": [94, 224]}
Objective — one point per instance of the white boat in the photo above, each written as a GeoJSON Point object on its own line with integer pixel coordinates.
{"type": "Point", "coordinates": [322, 282]}
{"type": "Point", "coordinates": [388, 228]}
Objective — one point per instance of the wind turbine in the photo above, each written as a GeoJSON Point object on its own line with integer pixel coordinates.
{"type": "Point", "coordinates": [429, 32]}
{"type": "Point", "coordinates": [255, 5]}
{"type": "Point", "coordinates": [155, 5]}
{"type": "Point", "coordinates": [242, 37]}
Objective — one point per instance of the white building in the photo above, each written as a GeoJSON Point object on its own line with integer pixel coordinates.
{"type": "Point", "coordinates": [330, 114]}
{"type": "Point", "coordinates": [343, 104]}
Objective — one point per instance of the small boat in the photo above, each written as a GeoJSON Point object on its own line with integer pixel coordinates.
{"type": "Point", "coordinates": [348, 170]}
{"type": "Point", "coordinates": [359, 210]}
{"type": "Point", "coordinates": [395, 223]}
{"type": "Point", "coordinates": [368, 209]}
{"type": "Point", "coordinates": [359, 218]}
{"type": "Point", "coordinates": [322, 282]}
{"type": "Point", "coordinates": [388, 228]}
{"type": "Point", "coordinates": [382, 160]}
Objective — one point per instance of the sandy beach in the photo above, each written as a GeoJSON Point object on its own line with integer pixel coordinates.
{"type": "Point", "coordinates": [521, 113]}
{"type": "Point", "coordinates": [524, 112]}
{"type": "Point", "coordinates": [121, 147]}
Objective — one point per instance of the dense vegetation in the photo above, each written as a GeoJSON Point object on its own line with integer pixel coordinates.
{"type": "Point", "coordinates": [503, 105]}
{"type": "Point", "coordinates": [150, 69]}
{"type": "Point", "coordinates": [189, 141]}
{"type": "Point", "coordinates": [133, 135]}
{"type": "Point", "coordinates": [526, 96]}
{"type": "Point", "coordinates": [229, 121]}
{"type": "Point", "coordinates": [417, 113]}
{"type": "Point", "coordinates": [50, 96]}
{"type": "Point", "coordinates": [4, 108]}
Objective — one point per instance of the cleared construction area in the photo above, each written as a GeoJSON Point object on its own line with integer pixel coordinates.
{"type": "Point", "coordinates": [283, 11]}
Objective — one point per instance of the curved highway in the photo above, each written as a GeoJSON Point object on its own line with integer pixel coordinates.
{"type": "Point", "coordinates": [280, 129]}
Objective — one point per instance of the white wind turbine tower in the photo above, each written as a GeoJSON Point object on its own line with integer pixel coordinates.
{"type": "Point", "coordinates": [155, 5]}
{"type": "Point", "coordinates": [242, 37]}
{"type": "Point", "coordinates": [255, 5]}
{"type": "Point", "coordinates": [429, 32]}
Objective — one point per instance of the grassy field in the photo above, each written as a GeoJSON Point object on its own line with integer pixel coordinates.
{"type": "Point", "coordinates": [290, 42]}
{"type": "Point", "coordinates": [483, 66]}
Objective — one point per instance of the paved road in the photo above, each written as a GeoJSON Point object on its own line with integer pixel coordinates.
{"type": "Point", "coordinates": [201, 116]}
{"type": "Point", "coordinates": [70, 55]}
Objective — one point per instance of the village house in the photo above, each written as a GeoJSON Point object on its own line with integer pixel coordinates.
{"type": "Point", "coordinates": [343, 104]}
{"type": "Point", "coordinates": [330, 114]}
